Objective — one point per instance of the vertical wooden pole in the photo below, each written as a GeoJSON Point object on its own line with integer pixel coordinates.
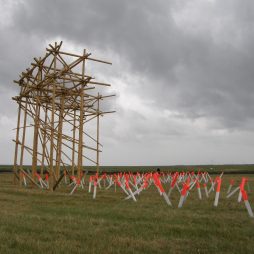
{"type": "Point", "coordinates": [36, 125]}
{"type": "Point", "coordinates": [81, 120]}
{"type": "Point", "coordinates": [16, 146]}
{"type": "Point", "coordinates": [98, 141]}
{"type": "Point", "coordinates": [73, 143]}
{"type": "Point", "coordinates": [51, 157]}
{"type": "Point", "coordinates": [23, 141]}
{"type": "Point", "coordinates": [35, 138]}
{"type": "Point", "coordinates": [44, 135]}
{"type": "Point", "coordinates": [59, 138]}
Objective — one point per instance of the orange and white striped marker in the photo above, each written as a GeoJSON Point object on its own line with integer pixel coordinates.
{"type": "Point", "coordinates": [184, 193]}
{"type": "Point", "coordinates": [95, 188]}
{"type": "Point", "coordinates": [241, 188]}
{"type": "Point", "coordinates": [41, 181]}
{"type": "Point", "coordinates": [246, 202]}
{"type": "Point", "coordinates": [77, 184]}
{"type": "Point", "coordinates": [160, 188]}
{"type": "Point", "coordinates": [173, 183]}
{"type": "Point", "coordinates": [217, 195]}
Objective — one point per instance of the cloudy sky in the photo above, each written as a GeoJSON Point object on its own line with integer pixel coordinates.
{"type": "Point", "coordinates": [183, 73]}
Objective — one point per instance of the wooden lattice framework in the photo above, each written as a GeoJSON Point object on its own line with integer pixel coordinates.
{"type": "Point", "coordinates": [57, 100]}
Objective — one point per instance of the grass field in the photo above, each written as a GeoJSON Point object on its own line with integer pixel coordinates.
{"type": "Point", "coordinates": [37, 221]}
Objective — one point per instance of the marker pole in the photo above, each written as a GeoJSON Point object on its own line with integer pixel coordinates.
{"type": "Point", "coordinates": [183, 195]}
{"type": "Point", "coordinates": [247, 204]}
{"type": "Point", "coordinates": [95, 189]}
{"type": "Point", "coordinates": [241, 189]}
{"type": "Point", "coordinates": [217, 195]}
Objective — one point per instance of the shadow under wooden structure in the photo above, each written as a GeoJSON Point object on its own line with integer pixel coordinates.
{"type": "Point", "coordinates": [57, 100]}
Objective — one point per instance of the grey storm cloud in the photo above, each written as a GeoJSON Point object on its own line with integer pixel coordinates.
{"type": "Point", "coordinates": [194, 59]}
{"type": "Point", "coordinates": [190, 72]}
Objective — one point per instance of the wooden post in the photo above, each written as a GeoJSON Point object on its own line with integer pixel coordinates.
{"type": "Point", "coordinates": [52, 122]}
{"type": "Point", "coordinates": [44, 136]}
{"type": "Point", "coordinates": [73, 143]}
{"type": "Point", "coordinates": [23, 141]}
{"type": "Point", "coordinates": [16, 145]}
{"type": "Point", "coordinates": [98, 141]}
{"type": "Point", "coordinates": [59, 138]}
{"type": "Point", "coordinates": [35, 138]}
{"type": "Point", "coordinates": [81, 119]}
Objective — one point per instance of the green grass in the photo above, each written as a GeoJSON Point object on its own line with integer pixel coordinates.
{"type": "Point", "coordinates": [37, 221]}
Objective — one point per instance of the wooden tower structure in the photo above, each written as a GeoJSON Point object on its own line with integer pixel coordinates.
{"type": "Point", "coordinates": [57, 100]}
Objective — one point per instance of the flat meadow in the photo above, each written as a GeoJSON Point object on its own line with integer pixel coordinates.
{"type": "Point", "coordinates": [38, 221]}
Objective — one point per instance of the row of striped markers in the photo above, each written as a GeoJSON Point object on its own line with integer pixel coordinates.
{"type": "Point", "coordinates": [133, 184]}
